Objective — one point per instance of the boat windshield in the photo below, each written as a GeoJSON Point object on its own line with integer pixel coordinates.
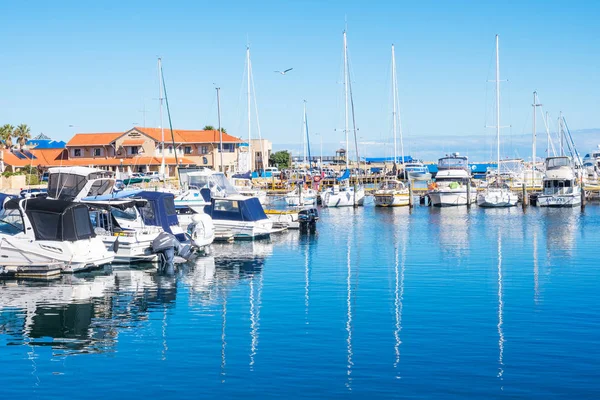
{"type": "Point", "coordinates": [557, 162]}
{"type": "Point", "coordinates": [390, 185]}
{"type": "Point", "coordinates": [453, 163]}
{"type": "Point", "coordinates": [65, 186]}
{"type": "Point", "coordinates": [415, 167]}
{"type": "Point", "coordinates": [11, 222]}
{"type": "Point", "coordinates": [101, 187]}
{"type": "Point", "coordinates": [215, 182]}
{"type": "Point", "coordinates": [128, 214]}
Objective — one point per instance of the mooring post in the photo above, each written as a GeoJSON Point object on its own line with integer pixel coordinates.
{"type": "Point", "coordinates": [469, 194]}
{"type": "Point", "coordinates": [524, 195]}
{"type": "Point", "coordinates": [410, 194]}
{"type": "Point", "coordinates": [583, 198]}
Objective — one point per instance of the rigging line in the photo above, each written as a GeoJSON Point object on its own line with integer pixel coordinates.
{"type": "Point", "coordinates": [262, 145]}
{"type": "Point", "coordinates": [354, 125]}
{"type": "Point", "coordinates": [169, 116]}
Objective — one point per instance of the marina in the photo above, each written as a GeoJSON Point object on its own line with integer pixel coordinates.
{"type": "Point", "coordinates": [321, 200]}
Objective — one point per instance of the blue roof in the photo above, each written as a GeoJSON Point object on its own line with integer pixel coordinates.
{"type": "Point", "coordinates": [388, 159]}
{"type": "Point", "coordinates": [46, 144]}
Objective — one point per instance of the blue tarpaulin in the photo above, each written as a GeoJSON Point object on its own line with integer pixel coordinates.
{"type": "Point", "coordinates": [345, 176]}
{"type": "Point", "coordinates": [388, 159]}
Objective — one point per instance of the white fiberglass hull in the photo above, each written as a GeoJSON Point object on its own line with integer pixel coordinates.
{"type": "Point", "coordinates": [450, 198]}
{"type": "Point", "coordinates": [497, 198]}
{"type": "Point", "coordinates": [391, 199]}
{"type": "Point", "coordinates": [419, 176]}
{"type": "Point", "coordinates": [344, 198]}
{"type": "Point", "coordinates": [75, 256]}
{"type": "Point", "coordinates": [243, 229]}
{"type": "Point", "coordinates": [563, 200]}
{"type": "Point", "coordinates": [131, 249]}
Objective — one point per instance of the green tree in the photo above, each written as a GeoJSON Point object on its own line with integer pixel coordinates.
{"type": "Point", "coordinates": [212, 128]}
{"type": "Point", "coordinates": [281, 159]}
{"type": "Point", "coordinates": [23, 134]}
{"type": "Point", "coordinates": [6, 134]}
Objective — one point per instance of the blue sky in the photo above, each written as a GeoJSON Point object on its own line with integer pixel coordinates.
{"type": "Point", "coordinates": [93, 66]}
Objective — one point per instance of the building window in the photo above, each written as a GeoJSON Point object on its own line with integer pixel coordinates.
{"type": "Point", "coordinates": [97, 152]}
{"type": "Point", "coordinates": [133, 150]}
{"type": "Point", "coordinates": [170, 149]}
{"type": "Point", "coordinates": [76, 152]}
{"type": "Point", "coordinates": [188, 150]}
{"type": "Point", "coordinates": [228, 147]}
{"type": "Point", "coordinates": [204, 149]}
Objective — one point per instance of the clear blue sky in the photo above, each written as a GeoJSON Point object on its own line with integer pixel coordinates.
{"type": "Point", "coordinates": [93, 65]}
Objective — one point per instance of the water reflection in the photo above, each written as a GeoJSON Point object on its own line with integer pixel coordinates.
{"type": "Point", "coordinates": [452, 226]}
{"type": "Point", "coordinates": [500, 311]}
{"type": "Point", "coordinates": [399, 268]}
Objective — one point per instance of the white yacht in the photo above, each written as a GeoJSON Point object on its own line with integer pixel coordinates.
{"type": "Point", "coordinates": [451, 183]}
{"type": "Point", "coordinates": [343, 196]}
{"type": "Point", "coordinates": [301, 197]}
{"type": "Point", "coordinates": [496, 193]}
{"type": "Point", "coordinates": [246, 188]}
{"type": "Point", "coordinates": [417, 171]}
{"type": "Point", "coordinates": [561, 186]}
{"type": "Point", "coordinates": [232, 214]}
{"type": "Point", "coordinates": [37, 232]}
{"type": "Point", "coordinates": [392, 193]}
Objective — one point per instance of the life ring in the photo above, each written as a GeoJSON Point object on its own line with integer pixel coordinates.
{"type": "Point", "coordinates": [432, 186]}
{"type": "Point", "coordinates": [317, 179]}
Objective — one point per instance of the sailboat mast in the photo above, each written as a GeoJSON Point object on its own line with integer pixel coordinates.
{"type": "Point", "coordinates": [220, 129]}
{"type": "Point", "coordinates": [498, 105]}
{"type": "Point", "coordinates": [533, 143]}
{"type": "Point", "coordinates": [394, 114]}
{"type": "Point", "coordinates": [560, 134]}
{"type": "Point", "coordinates": [162, 129]}
{"type": "Point", "coordinates": [346, 96]}
{"type": "Point", "coordinates": [249, 107]}
{"type": "Point", "coordinates": [304, 132]}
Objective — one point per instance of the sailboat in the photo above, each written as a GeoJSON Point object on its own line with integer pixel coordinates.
{"type": "Point", "coordinates": [346, 195]}
{"type": "Point", "coordinates": [391, 192]}
{"type": "Point", "coordinates": [497, 194]}
{"type": "Point", "coordinates": [303, 196]}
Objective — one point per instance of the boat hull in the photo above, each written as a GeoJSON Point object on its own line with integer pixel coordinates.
{"type": "Point", "coordinates": [559, 201]}
{"type": "Point", "coordinates": [344, 198]}
{"type": "Point", "coordinates": [391, 200]}
{"type": "Point", "coordinates": [497, 199]}
{"type": "Point", "coordinates": [450, 198]}
{"type": "Point", "coordinates": [243, 230]}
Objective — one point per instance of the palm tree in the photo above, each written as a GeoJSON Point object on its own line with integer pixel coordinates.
{"type": "Point", "coordinates": [23, 134]}
{"type": "Point", "coordinates": [212, 128]}
{"type": "Point", "coordinates": [6, 134]}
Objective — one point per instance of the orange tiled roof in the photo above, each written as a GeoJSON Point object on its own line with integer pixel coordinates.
{"type": "Point", "coordinates": [188, 136]}
{"type": "Point", "coordinates": [94, 139]}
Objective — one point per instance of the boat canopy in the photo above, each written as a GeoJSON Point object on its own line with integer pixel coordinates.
{"type": "Point", "coordinates": [158, 209]}
{"type": "Point", "coordinates": [557, 162]}
{"type": "Point", "coordinates": [345, 176]}
{"type": "Point", "coordinates": [246, 209]}
{"type": "Point", "coordinates": [56, 220]}
{"type": "Point", "coordinates": [67, 183]}
{"type": "Point", "coordinates": [453, 162]}
{"type": "Point", "coordinates": [216, 181]}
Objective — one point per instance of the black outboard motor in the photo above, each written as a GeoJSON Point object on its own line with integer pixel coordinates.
{"type": "Point", "coordinates": [307, 219]}
{"type": "Point", "coordinates": [165, 244]}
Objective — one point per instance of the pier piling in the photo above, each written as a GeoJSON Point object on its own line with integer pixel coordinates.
{"type": "Point", "coordinates": [410, 194]}
{"type": "Point", "coordinates": [469, 194]}
{"type": "Point", "coordinates": [583, 197]}
{"type": "Point", "coordinates": [524, 196]}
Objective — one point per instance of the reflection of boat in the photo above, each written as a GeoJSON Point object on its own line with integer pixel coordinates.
{"type": "Point", "coordinates": [451, 181]}
{"type": "Point", "coordinates": [37, 232]}
{"type": "Point", "coordinates": [561, 187]}
{"type": "Point", "coordinates": [391, 193]}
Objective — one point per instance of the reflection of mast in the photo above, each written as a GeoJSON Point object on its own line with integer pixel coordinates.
{"type": "Point", "coordinates": [399, 294]}
{"type": "Point", "coordinates": [254, 317]}
{"type": "Point", "coordinates": [536, 286]}
{"type": "Point", "coordinates": [164, 334]}
{"type": "Point", "coordinates": [349, 320]}
{"type": "Point", "coordinates": [223, 342]}
{"type": "Point", "coordinates": [500, 311]}
{"type": "Point", "coordinates": [306, 285]}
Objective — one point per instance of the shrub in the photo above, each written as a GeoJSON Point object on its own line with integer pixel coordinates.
{"type": "Point", "coordinates": [32, 179]}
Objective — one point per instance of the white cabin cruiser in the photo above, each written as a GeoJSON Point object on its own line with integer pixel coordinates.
{"type": "Point", "coordinates": [451, 183]}
{"type": "Point", "coordinates": [343, 196]}
{"type": "Point", "coordinates": [41, 231]}
{"type": "Point", "coordinates": [417, 171]}
{"type": "Point", "coordinates": [233, 215]}
{"type": "Point", "coordinates": [561, 186]}
{"type": "Point", "coordinates": [392, 193]}
{"type": "Point", "coordinates": [301, 196]}
{"type": "Point", "coordinates": [245, 187]}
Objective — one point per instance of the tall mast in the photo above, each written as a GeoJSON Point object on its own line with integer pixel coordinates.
{"type": "Point", "coordinates": [304, 132]}
{"type": "Point", "coordinates": [220, 130]}
{"type": "Point", "coordinates": [346, 95]}
{"type": "Point", "coordinates": [533, 156]}
{"type": "Point", "coordinates": [498, 106]}
{"type": "Point", "coordinates": [394, 113]}
{"type": "Point", "coordinates": [249, 107]}
{"type": "Point", "coordinates": [162, 129]}
{"type": "Point", "coordinates": [547, 125]}
{"type": "Point", "coordinates": [560, 134]}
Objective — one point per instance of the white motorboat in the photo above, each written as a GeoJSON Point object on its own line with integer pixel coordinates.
{"type": "Point", "coordinates": [451, 183]}
{"type": "Point", "coordinates": [301, 196]}
{"type": "Point", "coordinates": [561, 186]}
{"type": "Point", "coordinates": [417, 171]}
{"type": "Point", "coordinates": [246, 188]}
{"type": "Point", "coordinates": [392, 193]}
{"type": "Point", "coordinates": [75, 183]}
{"type": "Point", "coordinates": [496, 194]}
{"type": "Point", "coordinates": [343, 196]}
{"type": "Point", "coordinates": [39, 231]}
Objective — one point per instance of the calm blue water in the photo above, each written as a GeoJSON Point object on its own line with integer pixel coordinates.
{"type": "Point", "coordinates": [433, 303]}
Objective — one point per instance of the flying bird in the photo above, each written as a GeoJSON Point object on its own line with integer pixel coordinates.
{"type": "Point", "coordinates": [284, 72]}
